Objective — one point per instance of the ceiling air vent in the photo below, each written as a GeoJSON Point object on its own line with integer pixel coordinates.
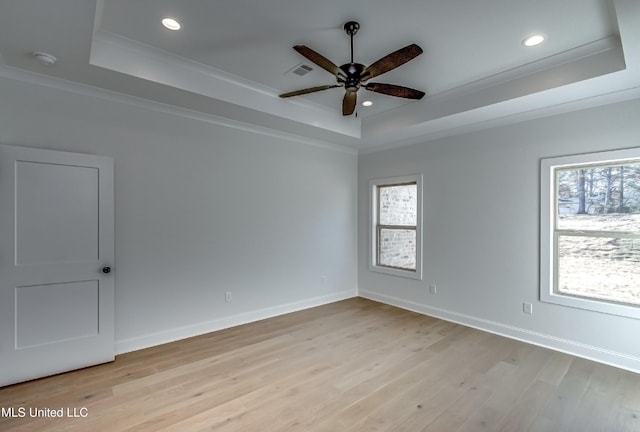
{"type": "Point", "coordinates": [299, 70]}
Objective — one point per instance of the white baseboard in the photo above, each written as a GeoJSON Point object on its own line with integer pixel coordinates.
{"type": "Point", "coordinates": [577, 349]}
{"type": "Point", "coordinates": [159, 338]}
{"type": "Point", "coordinates": [589, 352]}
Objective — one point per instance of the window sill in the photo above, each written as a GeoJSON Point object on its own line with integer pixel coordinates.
{"type": "Point", "coordinates": [593, 305]}
{"type": "Point", "coordinates": [409, 274]}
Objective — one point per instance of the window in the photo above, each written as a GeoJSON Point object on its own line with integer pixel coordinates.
{"type": "Point", "coordinates": [396, 219]}
{"type": "Point", "coordinates": [590, 231]}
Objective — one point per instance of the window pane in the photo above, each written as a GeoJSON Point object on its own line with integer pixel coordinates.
{"type": "Point", "coordinates": [397, 248]}
{"type": "Point", "coordinates": [398, 205]}
{"type": "Point", "coordinates": [604, 198]}
{"type": "Point", "coordinates": [600, 267]}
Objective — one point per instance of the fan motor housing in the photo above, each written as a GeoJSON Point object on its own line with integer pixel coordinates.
{"type": "Point", "coordinates": [353, 72]}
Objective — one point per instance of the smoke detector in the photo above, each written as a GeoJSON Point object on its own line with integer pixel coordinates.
{"type": "Point", "coordinates": [45, 59]}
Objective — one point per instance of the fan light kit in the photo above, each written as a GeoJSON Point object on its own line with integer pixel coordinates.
{"type": "Point", "coordinates": [45, 59]}
{"type": "Point", "coordinates": [354, 75]}
{"type": "Point", "coordinates": [171, 23]}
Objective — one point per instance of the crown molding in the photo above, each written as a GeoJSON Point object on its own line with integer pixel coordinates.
{"type": "Point", "coordinates": [442, 128]}
{"type": "Point", "coordinates": [112, 96]}
{"type": "Point", "coordinates": [123, 55]}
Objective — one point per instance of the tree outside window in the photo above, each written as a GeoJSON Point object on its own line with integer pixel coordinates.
{"type": "Point", "coordinates": [591, 231]}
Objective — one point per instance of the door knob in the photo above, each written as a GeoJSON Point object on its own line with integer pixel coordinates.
{"type": "Point", "coordinates": [106, 269]}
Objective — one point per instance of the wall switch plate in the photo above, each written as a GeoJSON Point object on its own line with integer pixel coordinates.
{"type": "Point", "coordinates": [228, 296]}
{"type": "Point", "coordinates": [433, 289]}
{"type": "Point", "coordinates": [527, 308]}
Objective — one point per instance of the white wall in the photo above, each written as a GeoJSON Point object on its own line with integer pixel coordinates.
{"type": "Point", "coordinates": [202, 209]}
{"type": "Point", "coordinates": [481, 230]}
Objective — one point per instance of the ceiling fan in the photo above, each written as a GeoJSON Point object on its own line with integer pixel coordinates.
{"type": "Point", "coordinates": [352, 76]}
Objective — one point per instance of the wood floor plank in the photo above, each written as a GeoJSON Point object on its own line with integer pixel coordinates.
{"type": "Point", "coordinates": [525, 410]}
{"type": "Point", "coordinates": [555, 369]}
{"type": "Point", "coordinates": [562, 405]}
{"type": "Point", "coordinates": [527, 362]}
{"type": "Point", "coordinates": [350, 366]}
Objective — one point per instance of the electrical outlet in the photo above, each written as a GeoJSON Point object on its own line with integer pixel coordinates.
{"type": "Point", "coordinates": [323, 280]}
{"type": "Point", "coordinates": [433, 289]}
{"type": "Point", "coordinates": [228, 296]}
{"type": "Point", "coordinates": [527, 308]}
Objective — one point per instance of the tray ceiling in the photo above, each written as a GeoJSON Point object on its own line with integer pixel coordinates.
{"type": "Point", "coordinates": [232, 58]}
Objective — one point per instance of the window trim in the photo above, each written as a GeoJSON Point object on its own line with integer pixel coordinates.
{"type": "Point", "coordinates": [549, 234]}
{"type": "Point", "coordinates": [374, 227]}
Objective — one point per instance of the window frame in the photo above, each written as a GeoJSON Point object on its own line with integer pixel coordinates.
{"type": "Point", "coordinates": [549, 233]}
{"type": "Point", "coordinates": [374, 227]}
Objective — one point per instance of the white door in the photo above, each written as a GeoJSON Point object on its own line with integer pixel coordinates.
{"type": "Point", "coordinates": [56, 247]}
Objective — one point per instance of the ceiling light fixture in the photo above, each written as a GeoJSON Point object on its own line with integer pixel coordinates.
{"type": "Point", "coordinates": [45, 59]}
{"type": "Point", "coordinates": [171, 23]}
{"type": "Point", "coordinates": [367, 103]}
{"type": "Point", "coordinates": [533, 40]}
{"type": "Point", "coordinates": [352, 76]}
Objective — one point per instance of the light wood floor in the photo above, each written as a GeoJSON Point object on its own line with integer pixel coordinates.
{"type": "Point", "coordinates": [354, 365]}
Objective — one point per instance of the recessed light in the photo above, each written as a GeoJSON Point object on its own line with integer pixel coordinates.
{"type": "Point", "coordinates": [367, 103]}
{"type": "Point", "coordinates": [171, 23]}
{"type": "Point", "coordinates": [533, 40]}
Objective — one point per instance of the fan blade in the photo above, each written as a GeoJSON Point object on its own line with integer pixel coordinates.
{"type": "Point", "coordinates": [309, 90]}
{"type": "Point", "coordinates": [395, 90]}
{"type": "Point", "coordinates": [319, 59]}
{"type": "Point", "coordinates": [391, 61]}
{"type": "Point", "coordinates": [349, 103]}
